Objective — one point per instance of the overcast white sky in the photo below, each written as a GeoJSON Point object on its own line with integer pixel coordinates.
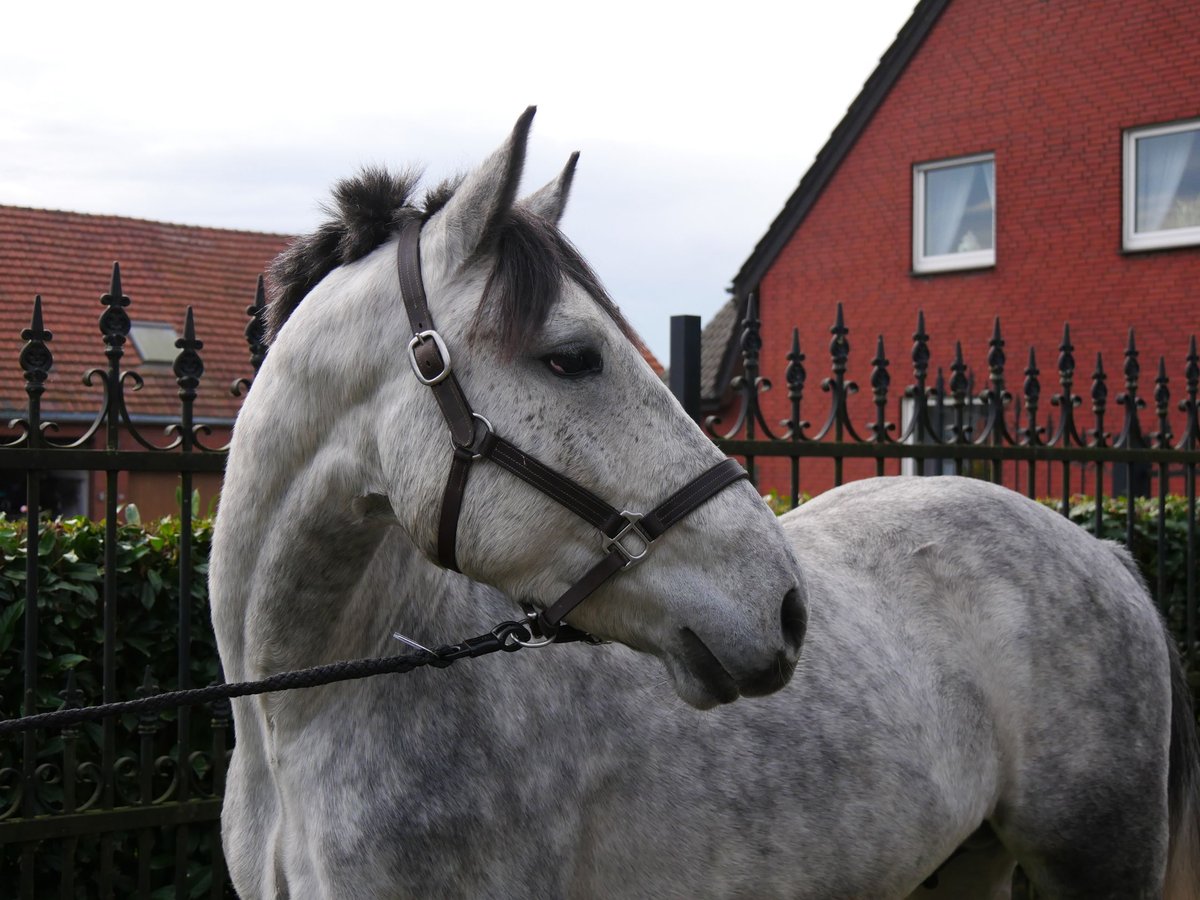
{"type": "Point", "coordinates": [695, 120]}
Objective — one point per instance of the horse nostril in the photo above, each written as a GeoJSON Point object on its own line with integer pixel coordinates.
{"type": "Point", "coordinates": [794, 618]}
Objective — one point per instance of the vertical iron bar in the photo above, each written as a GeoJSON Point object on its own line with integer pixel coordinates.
{"type": "Point", "coordinates": [147, 728]}
{"type": "Point", "coordinates": [751, 346]}
{"type": "Point", "coordinates": [114, 326]}
{"type": "Point", "coordinates": [1191, 636]}
{"type": "Point", "coordinates": [70, 735]}
{"type": "Point", "coordinates": [1162, 441]}
{"type": "Point", "coordinates": [795, 376]}
{"type": "Point", "coordinates": [1191, 439]}
{"type": "Point", "coordinates": [36, 361]}
{"type": "Point", "coordinates": [1066, 404]}
{"type": "Point", "coordinates": [997, 395]}
{"type": "Point", "coordinates": [939, 391]}
{"type": "Point", "coordinates": [1131, 432]}
{"type": "Point", "coordinates": [918, 392]}
{"type": "Point", "coordinates": [29, 743]}
{"type": "Point", "coordinates": [685, 363]}
{"type": "Point", "coordinates": [1033, 390]}
{"type": "Point", "coordinates": [839, 354]}
{"type": "Point", "coordinates": [188, 369]}
{"type": "Point", "coordinates": [958, 391]}
{"type": "Point", "coordinates": [1099, 438]}
{"type": "Point", "coordinates": [881, 381]}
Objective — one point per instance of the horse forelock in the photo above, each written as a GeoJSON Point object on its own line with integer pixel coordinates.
{"type": "Point", "coordinates": [533, 262]}
{"type": "Point", "coordinates": [532, 259]}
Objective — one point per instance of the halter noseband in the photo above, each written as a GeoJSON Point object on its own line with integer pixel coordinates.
{"type": "Point", "coordinates": [628, 536]}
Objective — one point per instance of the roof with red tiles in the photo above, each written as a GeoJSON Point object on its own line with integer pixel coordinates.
{"type": "Point", "coordinates": [67, 258]}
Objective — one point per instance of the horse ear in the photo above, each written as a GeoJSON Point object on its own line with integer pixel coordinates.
{"type": "Point", "coordinates": [467, 226]}
{"type": "Point", "coordinates": [551, 200]}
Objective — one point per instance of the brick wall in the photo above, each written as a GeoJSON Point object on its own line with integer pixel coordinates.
{"type": "Point", "coordinates": [1048, 86]}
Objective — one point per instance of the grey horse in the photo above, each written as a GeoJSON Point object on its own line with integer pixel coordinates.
{"type": "Point", "coordinates": [981, 684]}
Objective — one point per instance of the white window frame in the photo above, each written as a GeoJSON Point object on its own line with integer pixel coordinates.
{"type": "Point", "coordinates": [947, 262]}
{"type": "Point", "coordinates": [1131, 239]}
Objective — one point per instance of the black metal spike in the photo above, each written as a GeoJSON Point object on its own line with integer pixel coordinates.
{"type": "Point", "coordinates": [880, 378]}
{"type": "Point", "coordinates": [256, 328]}
{"type": "Point", "coordinates": [188, 366]}
{"type": "Point", "coordinates": [795, 374]}
{"type": "Point", "coordinates": [114, 321]}
{"type": "Point", "coordinates": [996, 357]}
{"type": "Point", "coordinates": [920, 351]}
{"type": "Point", "coordinates": [1099, 401]}
{"type": "Point", "coordinates": [881, 381]}
{"type": "Point", "coordinates": [751, 340]}
{"type": "Point", "coordinates": [1132, 367]}
{"type": "Point", "coordinates": [1066, 357]}
{"type": "Point", "coordinates": [1162, 405]}
{"type": "Point", "coordinates": [1033, 390]}
{"type": "Point", "coordinates": [1191, 406]}
{"type": "Point", "coordinates": [36, 358]}
{"type": "Point", "coordinates": [839, 346]}
{"type": "Point", "coordinates": [958, 376]}
{"type": "Point", "coordinates": [1099, 387]}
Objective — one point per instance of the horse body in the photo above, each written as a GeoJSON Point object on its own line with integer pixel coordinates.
{"type": "Point", "coordinates": [928, 700]}
{"type": "Point", "coordinates": [975, 666]}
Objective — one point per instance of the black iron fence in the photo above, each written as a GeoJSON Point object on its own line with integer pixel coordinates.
{"type": "Point", "coordinates": [128, 809]}
{"type": "Point", "coordinates": [113, 811]}
{"type": "Point", "coordinates": [959, 424]}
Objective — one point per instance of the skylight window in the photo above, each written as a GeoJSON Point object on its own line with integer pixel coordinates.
{"type": "Point", "coordinates": [154, 342]}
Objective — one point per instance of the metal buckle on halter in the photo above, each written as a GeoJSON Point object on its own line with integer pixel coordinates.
{"type": "Point", "coordinates": [419, 339]}
{"type": "Point", "coordinates": [631, 528]}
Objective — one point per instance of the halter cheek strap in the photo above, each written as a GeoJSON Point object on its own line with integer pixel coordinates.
{"type": "Point", "coordinates": [627, 537]}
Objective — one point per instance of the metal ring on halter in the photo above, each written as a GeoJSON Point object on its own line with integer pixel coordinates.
{"type": "Point", "coordinates": [474, 440]}
{"type": "Point", "coordinates": [511, 638]}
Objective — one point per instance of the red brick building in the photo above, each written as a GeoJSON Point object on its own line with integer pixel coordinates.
{"type": "Point", "coordinates": [67, 258]}
{"type": "Point", "coordinates": [1036, 160]}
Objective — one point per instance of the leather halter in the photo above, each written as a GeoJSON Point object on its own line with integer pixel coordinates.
{"type": "Point", "coordinates": [627, 537]}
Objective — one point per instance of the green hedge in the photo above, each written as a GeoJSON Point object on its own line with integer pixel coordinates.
{"type": "Point", "coordinates": [70, 612]}
{"type": "Point", "coordinates": [1171, 595]}
{"type": "Point", "coordinates": [70, 639]}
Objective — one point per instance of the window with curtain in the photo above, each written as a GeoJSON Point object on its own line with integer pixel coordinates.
{"type": "Point", "coordinates": [1162, 186]}
{"type": "Point", "coordinates": [954, 214]}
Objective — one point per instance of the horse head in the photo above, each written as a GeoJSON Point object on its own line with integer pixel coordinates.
{"type": "Point", "coordinates": [545, 358]}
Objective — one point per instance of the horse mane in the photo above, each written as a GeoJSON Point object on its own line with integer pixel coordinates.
{"type": "Point", "coordinates": [532, 258]}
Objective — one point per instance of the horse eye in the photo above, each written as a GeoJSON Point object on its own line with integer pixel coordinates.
{"type": "Point", "coordinates": [574, 362]}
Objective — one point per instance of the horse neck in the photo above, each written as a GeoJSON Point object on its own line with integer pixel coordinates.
{"type": "Point", "coordinates": [307, 569]}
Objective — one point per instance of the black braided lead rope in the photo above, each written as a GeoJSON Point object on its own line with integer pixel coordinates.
{"type": "Point", "coordinates": [507, 637]}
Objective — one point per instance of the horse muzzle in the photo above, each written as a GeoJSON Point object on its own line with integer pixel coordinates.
{"type": "Point", "coordinates": [705, 678]}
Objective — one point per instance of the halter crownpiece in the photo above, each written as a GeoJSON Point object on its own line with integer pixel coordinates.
{"type": "Point", "coordinates": [627, 537]}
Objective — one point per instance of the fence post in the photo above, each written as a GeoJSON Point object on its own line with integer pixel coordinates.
{"type": "Point", "coordinates": [684, 379]}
